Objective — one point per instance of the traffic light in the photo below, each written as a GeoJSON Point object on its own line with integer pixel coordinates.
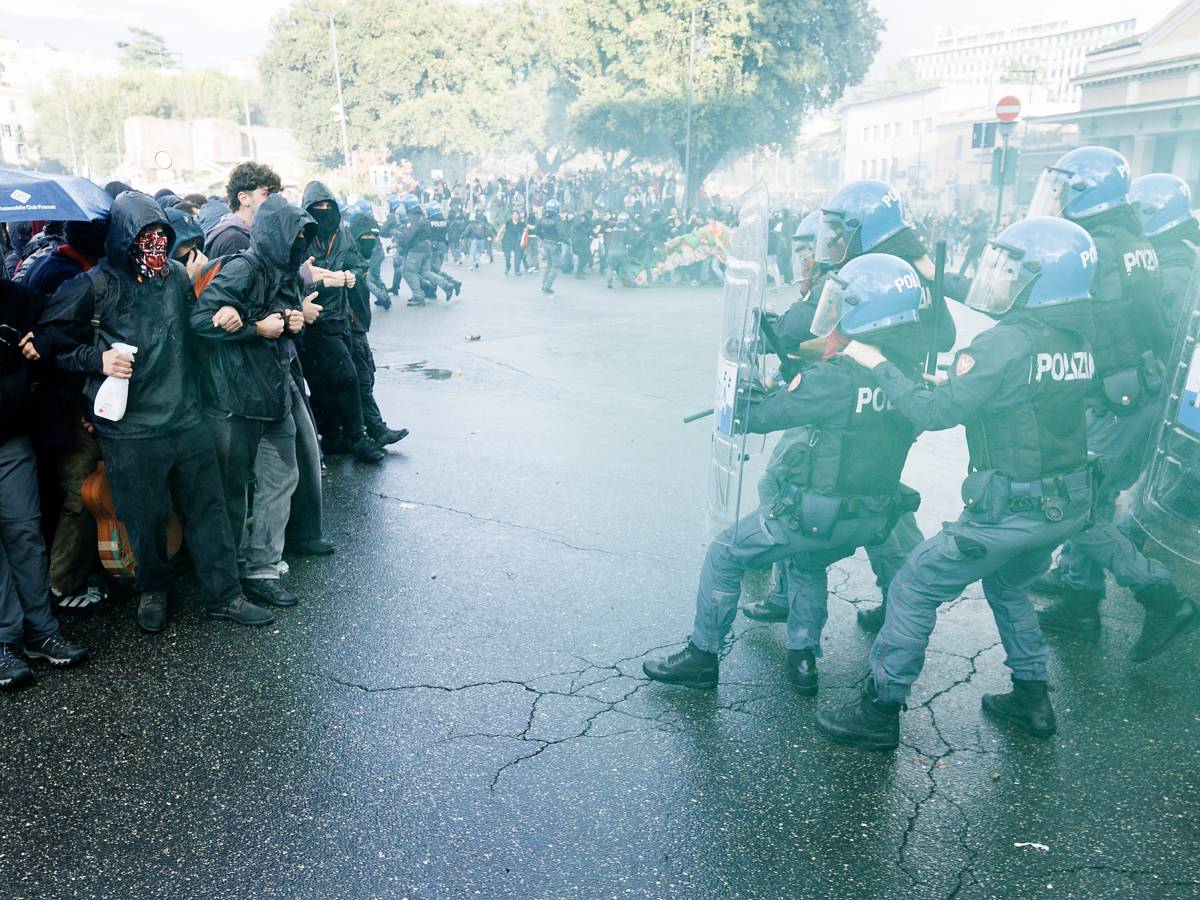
{"type": "Point", "coordinates": [1010, 164]}
{"type": "Point", "coordinates": [983, 135]}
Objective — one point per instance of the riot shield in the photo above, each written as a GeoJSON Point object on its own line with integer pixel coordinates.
{"type": "Point", "coordinates": [1167, 506]}
{"type": "Point", "coordinates": [739, 362]}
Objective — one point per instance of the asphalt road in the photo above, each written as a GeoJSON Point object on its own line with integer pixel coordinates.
{"type": "Point", "coordinates": [457, 707]}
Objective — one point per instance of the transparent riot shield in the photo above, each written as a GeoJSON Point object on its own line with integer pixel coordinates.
{"type": "Point", "coordinates": [1167, 506]}
{"type": "Point", "coordinates": [739, 362]}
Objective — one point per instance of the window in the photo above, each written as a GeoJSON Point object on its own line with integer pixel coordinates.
{"type": "Point", "coordinates": [887, 131]}
{"type": "Point", "coordinates": [862, 169]}
{"type": "Point", "coordinates": [916, 127]}
{"type": "Point", "coordinates": [928, 125]}
{"type": "Point", "coordinates": [866, 134]}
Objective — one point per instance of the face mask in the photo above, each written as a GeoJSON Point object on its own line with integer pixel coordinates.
{"type": "Point", "coordinates": [296, 253]}
{"type": "Point", "coordinates": [327, 219]}
{"type": "Point", "coordinates": [366, 246]}
{"type": "Point", "coordinates": [149, 255]}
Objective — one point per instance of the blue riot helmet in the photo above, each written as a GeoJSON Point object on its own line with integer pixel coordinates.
{"type": "Point", "coordinates": [393, 201]}
{"type": "Point", "coordinates": [433, 210]}
{"type": "Point", "coordinates": [1162, 202]}
{"type": "Point", "coordinates": [410, 202]}
{"type": "Point", "coordinates": [1085, 182]}
{"type": "Point", "coordinates": [551, 206]}
{"type": "Point", "coordinates": [807, 229]}
{"type": "Point", "coordinates": [1034, 264]}
{"type": "Point", "coordinates": [869, 294]}
{"type": "Point", "coordinates": [859, 217]}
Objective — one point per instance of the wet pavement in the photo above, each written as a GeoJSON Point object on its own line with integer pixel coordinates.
{"type": "Point", "coordinates": [457, 707]}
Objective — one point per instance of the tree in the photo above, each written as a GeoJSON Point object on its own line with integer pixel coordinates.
{"type": "Point", "coordinates": [145, 50]}
{"type": "Point", "coordinates": [444, 78]}
{"type": "Point", "coordinates": [759, 66]}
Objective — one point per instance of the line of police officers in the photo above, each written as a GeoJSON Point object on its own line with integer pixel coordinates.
{"type": "Point", "coordinates": [1058, 401]}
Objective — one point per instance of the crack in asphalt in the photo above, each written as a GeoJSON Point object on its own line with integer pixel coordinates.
{"type": "Point", "coordinates": [933, 791]}
{"type": "Point", "coordinates": [542, 533]}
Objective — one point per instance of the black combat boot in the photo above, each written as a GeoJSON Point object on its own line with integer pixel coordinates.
{"type": "Point", "coordinates": [1076, 614]}
{"type": "Point", "coordinates": [868, 723]}
{"type": "Point", "coordinates": [765, 611]}
{"type": "Point", "coordinates": [690, 667]}
{"type": "Point", "coordinates": [385, 436]}
{"type": "Point", "coordinates": [1027, 706]}
{"type": "Point", "coordinates": [152, 611]}
{"type": "Point", "coordinates": [871, 620]}
{"type": "Point", "coordinates": [1169, 615]}
{"type": "Point", "coordinates": [366, 450]}
{"type": "Point", "coordinates": [802, 672]}
{"type": "Point", "coordinates": [1049, 583]}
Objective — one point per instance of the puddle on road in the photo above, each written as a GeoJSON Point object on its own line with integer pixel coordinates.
{"type": "Point", "coordinates": [429, 372]}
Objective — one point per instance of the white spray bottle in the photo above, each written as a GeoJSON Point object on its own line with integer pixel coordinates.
{"type": "Point", "coordinates": [114, 392]}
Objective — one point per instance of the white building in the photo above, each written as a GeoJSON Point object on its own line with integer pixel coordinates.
{"type": "Point", "coordinates": [1049, 55]}
{"type": "Point", "coordinates": [1140, 96]}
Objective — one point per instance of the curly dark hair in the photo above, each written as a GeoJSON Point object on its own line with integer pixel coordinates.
{"type": "Point", "coordinates": [249, 177]}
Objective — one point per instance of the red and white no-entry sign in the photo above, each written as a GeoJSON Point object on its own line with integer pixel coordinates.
{"type": "Point", "coordinates": [1008, 109]}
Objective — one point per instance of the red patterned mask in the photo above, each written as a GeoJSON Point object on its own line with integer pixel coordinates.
{"type": "Point", "coordinates": [150, 255]}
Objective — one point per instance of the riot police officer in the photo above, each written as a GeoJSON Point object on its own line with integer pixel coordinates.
{"type": "Point", "coordinates": [551, 232]}
{"type": "Point", "coordinates": [863, 217]}
{"type": "Point", "coordinates": [616, 246]}
{"type": "Point", "coordinates": [413, 240]}
{"type": "Point", "coordinates": [1090, 186]}
{"type": "Point", "coordinates": [439, 247]}
{"type": "Point", "coordinates": [1020, 389]}
{"type": "Point", "coordinates": [838, 488]}
{"type": "Point", "coordinates": [1164, 206]}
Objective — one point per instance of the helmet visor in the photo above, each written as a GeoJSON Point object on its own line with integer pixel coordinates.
{"type": "Point", "coordinates": [1050, 195]}
{"type": "Point", "coordinates": [833, 239]}
{"type": "Point", "coordinates": [1000, 280]}
{"type": "Point", "coordinates": [832, 306]}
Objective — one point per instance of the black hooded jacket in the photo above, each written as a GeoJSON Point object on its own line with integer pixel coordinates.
{"type": "Point", "coordinates": [19, 309]}
{"type": "Point", "coordinates": [150, 314]}
{"type": "Point", "coordinates": [360, 294]}
{"type": "Point", "coordinates": [335, 251]}
{"type": "Point", "coordinates": [244, 374]}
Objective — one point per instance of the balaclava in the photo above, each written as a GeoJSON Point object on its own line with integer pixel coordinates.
{"type": "Point", "coordinates": [149, 255]}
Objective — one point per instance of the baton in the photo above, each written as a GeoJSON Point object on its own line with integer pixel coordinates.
{"type": "Point", "coordinates": [695, 417]}
{"type": "Point", "coordinates": [937, 305]}
{"type": "Point", "coordinates": [787, 366]}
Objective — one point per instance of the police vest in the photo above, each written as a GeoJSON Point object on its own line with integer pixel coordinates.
{"type": "Point", "coordinates": [860, 454]}
{"type": "Point", "coordinates": [1127, 283]}
{"type": "Point", "coordinates": [1039, 431]}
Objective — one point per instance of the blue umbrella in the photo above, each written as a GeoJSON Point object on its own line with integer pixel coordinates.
{"type": "Point", "coordinates": [29, 196]}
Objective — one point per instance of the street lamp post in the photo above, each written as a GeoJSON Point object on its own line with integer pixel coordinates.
{"type": "Point", "coordinates": [337, 76]}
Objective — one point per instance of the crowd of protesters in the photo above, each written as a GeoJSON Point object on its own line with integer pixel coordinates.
{"type": "Point", "coordinates": [238, 325]}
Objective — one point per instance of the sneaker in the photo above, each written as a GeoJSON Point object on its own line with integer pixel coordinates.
{"type": "Point", "coordinates": [87, 601]}
{"type": "Point", "coordinates": [416, 301]}
{"type": "Point", "coordinates": [56, 650]}
{"type": "Point", "coordinates": [152, 611]}
{"type": "Point", "coordinates": [243, 612]}
{"type": "Point", "coordinates": [14, 671]}
{"type": "Point", "coordinates": [269, 591]}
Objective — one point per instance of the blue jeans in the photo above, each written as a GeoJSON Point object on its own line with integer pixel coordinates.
{"type": "Point", "coordinates": [759, 542]}
{"type": "Point", "coordinates": [476, 249]}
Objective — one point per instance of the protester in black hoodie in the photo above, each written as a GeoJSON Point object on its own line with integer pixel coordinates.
{"type": "Point", "coordinates": [246, 315]}
{"type": "Point", "coordinates": [365, 232]}
{"type": "Point", "coordinates": [66, 446]}
{"type": "Point", "coordinates": [326, 347]}
{"type": "Point", "coordinates": [160, 451]}
{"type": "Point", "coordinates": [25, 617]}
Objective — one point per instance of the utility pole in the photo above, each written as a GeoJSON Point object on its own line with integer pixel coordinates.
{"type": "Point", "coordinates": [337, 75]}
{"type": "Point", "coordinates": [687, 147]}
{"type": "Point", "coordinates": [1005, 130]}
{"type": "Point", "coordinates": [71, 134]}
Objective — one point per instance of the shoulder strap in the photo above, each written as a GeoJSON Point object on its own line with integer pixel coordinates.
{"type": "Point", "coordinates": [210, 271]}
{"type": "Point", "coordinates": [100, 278]}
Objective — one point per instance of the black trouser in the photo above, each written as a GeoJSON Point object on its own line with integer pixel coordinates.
{"type": "Point", "coordinates": [333, 379]}
{"type": "Point", "coordinates": [147, 476]}
{"type": "Point", "coordinates": [513, 256]}
{"type": "Point", "coordinates": [304, 523]}
{"type": "Point", "coordinates": [364, 364]}
{"type": "Point", "coordinates": [24, 588]}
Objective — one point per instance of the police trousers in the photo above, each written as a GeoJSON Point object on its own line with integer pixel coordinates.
{"type": "Point", "coordinates": [1120, 442]}
{"type": "Point", "coordinates": [552, 260]}
{"type": "Point", "coordinates": [1007, 556]}
{"type": "Point", "coordinates": [757, 541]}
{"type": "Point", "coordinates": [418, 267]}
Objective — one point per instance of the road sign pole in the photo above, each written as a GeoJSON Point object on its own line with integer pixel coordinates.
{"type": "Point", "coordinates": [1003, 176]}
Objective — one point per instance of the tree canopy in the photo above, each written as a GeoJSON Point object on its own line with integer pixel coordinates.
{"type": "Point", "coordinates": [470, 81]}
